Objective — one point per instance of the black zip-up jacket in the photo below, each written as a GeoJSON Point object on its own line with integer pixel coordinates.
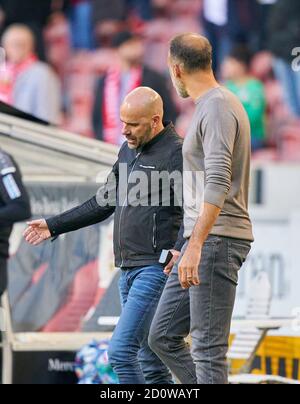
{"type": "Point", "coordinates": [14, 200]}
{"type": "Point", "coordinates": [140, 232]}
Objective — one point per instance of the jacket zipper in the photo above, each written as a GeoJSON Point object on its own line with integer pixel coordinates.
{"type": "Point", "coordinates": [154, 238]}
{"type": "Point", "coordinates": [123, 206]}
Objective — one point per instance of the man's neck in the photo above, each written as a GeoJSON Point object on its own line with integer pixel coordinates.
{"type": "Point", "coordinates": [200, 84]}
{"type": "Point", "coordinates": [242, 80]}
{"type": "Point", "coordinates": [31, 57]}
{"type": "Point", "coordinates": [125, 67]}
{"type": "Point", "coordinates": [159, 130]}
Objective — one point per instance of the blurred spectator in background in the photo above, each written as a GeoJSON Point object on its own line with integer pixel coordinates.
{"type": "Point", "coordinates": [250, 91]}
{"type": "Point", "coordinates": [81, 24]}
{"type": "Point", "coordinates": [264, 9]}
{"type": "Point", "coordinates": [33, 13]}
{"type": "Point", "coordinates": [215, 22]}
{"type": "Point", "coordinates": [284, 36]}
{"type": "Point", "coordinates": [119, 81]}
{"type": "Point", "coordinates": [108, 18]}
{"type": "Point", "coordinates": [243, 22]}
{"type": "Point", "coordinates": [231, 22]}
{"type": "Point", "coordinates": [27, 83]}
{"type": "Point", "coordinates": [142, 7]}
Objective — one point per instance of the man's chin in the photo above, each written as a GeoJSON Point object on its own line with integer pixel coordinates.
{"type": "Point", "coordinates": [183, 94]}
{"type": "Point", "coordinates": [132, 146]}
{"type": "Point", "coordinates": [181, 91]}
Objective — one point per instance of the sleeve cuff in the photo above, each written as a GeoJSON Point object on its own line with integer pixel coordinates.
{"type": "Point", "coordinates": [180, 240]}
{"type": "Point", "coordinates": [51, 222]}
{"type": "Point", "coordinates": [215, 195]}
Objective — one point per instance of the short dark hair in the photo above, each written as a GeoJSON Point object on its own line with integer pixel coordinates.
{"type": "Point", "coordinates": [122, 37]}
{"type": "Point", "coordinates": [194, 51]}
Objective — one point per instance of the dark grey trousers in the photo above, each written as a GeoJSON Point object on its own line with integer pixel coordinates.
{"type": "Point", "coordinates": [203, 311]}
{"type": "Point", "coordinates": [3, 275]}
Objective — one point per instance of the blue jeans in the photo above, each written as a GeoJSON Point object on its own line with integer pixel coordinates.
{"type": "Point", "coordinates": [290, 82]}
{"type": "Point", "coordinates": [203, 311]}
{"type": "Point", "coordinates": [129, 352]}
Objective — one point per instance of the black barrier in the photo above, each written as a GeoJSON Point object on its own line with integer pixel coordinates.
{"type": "Point", "coordinates": [41, 278]}
{"type": "Point", "coordinates": [44, 281]}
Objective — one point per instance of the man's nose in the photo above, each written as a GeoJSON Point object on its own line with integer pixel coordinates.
{"type": "Point", "coordinates": [125, 131]}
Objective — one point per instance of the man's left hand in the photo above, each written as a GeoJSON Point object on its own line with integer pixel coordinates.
{"type": "Point", "coordinates": [188, 270]}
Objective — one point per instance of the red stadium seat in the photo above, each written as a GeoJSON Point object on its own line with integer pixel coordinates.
{"type": "Point", "coordinates": [81, 298]}
{"type": "Point", "coordinates": [38, 274]}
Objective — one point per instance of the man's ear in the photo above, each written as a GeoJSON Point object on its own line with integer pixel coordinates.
{"type": "Point", "coordinates": [178, 70]}
{"type": "Point", "coordinates": [156, 120]}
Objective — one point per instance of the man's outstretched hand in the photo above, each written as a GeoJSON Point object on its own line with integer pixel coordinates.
{"type": "Point", "coordinates": [37, 232]}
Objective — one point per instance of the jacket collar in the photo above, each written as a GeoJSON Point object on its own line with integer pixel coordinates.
{"type": "Point", "coordinates": [168, 127]}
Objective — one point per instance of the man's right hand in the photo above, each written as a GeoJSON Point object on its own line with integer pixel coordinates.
{"type": "Point", "coordinates": [37, 232]}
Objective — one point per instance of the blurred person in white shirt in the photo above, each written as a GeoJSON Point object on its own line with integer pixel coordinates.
{"type": "Point", "coordinates": [27, 83]}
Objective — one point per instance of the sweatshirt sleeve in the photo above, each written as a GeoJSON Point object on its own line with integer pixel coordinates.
{"type": "Point", "coordinates": [219, 130]}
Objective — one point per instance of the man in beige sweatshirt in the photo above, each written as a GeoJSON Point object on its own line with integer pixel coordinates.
{"type": "Point", "coordinates": [200, 293]}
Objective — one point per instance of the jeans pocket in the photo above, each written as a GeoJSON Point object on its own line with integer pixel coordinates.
{"type": "Point", "coordinates": [237, 253]}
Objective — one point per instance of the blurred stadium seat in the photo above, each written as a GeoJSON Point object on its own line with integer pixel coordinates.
{"type": "Point", "coordinates": [80, 299]}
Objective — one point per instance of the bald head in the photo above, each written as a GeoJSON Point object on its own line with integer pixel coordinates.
{"type": "Point", "coordinates": [18, 42]}
{"type": "Point", "coordinates": [144, 101]}
{"type": "Point", "coordinates": [193, 51]}
{"type": "Point", "coordinates": [142, 115]}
